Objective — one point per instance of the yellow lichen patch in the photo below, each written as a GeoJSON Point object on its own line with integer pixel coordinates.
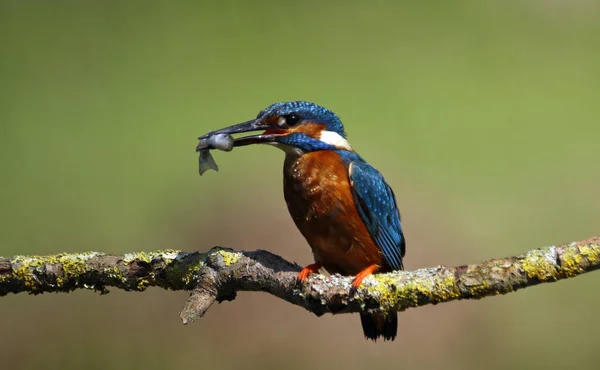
{"type": "Point", "coordinates": [571, 262]}
{"type": "Point", "coordinates": [480, 290]}
{"type": "Point", "coordinates": [4, 277]}
{"type": "Point", "coordinates": [73, 265]}
{"type": "Point", "coordinates": [386, 288]}
{"type": "Point", "coordinates": [443, 288]}
{"type": "Point", "coordinates": [115, 274]}
{"type": "Point", "coordinates": [591, 252]}
{"type": "Point", "coordinates": [186, 270]}
{"type": "Point", "coordinates": [540, 264]}
{"type": "Point", "coordinates": [24, 271]}
{"type": "Point", "coordinates": [229, 257]}
{"type": "Point", "coordinates": [136, 256]}
{"type": "Point", "coordinates": [167, 255]}
{"type": "Point", "coordinates": [142, 284]}
{"type": "Point", "coordinates": [431, 287]}
{"type": "Point", "coordinates": [191, 273]}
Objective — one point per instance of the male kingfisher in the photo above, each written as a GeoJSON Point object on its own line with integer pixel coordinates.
{"type": "Point", "coordinates": [341, 204]}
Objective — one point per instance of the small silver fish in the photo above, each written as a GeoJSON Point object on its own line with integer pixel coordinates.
{"type": "Point", "coordinates": [208, 142]}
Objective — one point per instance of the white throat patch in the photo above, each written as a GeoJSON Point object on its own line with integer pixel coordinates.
{"type": "Point", "coordinates": [335, 139]}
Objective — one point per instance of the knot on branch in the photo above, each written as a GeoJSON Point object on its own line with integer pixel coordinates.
{"type": "Point", "coordinates": [212, 283]}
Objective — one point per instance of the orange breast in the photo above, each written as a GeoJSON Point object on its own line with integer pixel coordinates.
{"type": "Point", "coordinates": [318, 195]}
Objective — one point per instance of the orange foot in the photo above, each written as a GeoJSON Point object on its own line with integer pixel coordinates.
{"type": "Point", "coordinates": [358, 279]}
{"type": "Point", "coordinates": [310, 269]}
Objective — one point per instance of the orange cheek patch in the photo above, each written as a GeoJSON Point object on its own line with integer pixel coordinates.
{"type": "Point", "coordinates": [310, 129]}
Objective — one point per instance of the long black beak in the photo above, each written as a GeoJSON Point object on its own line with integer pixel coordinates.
{"type": "Point", "coordinates": [248, 126]}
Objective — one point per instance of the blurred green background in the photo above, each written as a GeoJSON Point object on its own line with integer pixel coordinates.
{"type": "Point", "coordinates": [482, 115]}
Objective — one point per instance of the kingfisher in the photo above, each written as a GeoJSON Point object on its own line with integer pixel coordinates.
{"type": "Point", "coordinates": [342, 205]}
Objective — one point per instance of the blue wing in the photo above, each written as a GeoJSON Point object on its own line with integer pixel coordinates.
{"type": "Point", "coordinates": [377, 207]}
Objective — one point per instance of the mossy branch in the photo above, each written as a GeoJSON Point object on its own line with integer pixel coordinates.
{"type": "Point", "coordinates": [219, 273]}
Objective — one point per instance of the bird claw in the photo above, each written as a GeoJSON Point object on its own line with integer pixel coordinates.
{"type": "Point", "coordinates": [306, 271]}
{"type": "Point", "coordinates": [358, 279]}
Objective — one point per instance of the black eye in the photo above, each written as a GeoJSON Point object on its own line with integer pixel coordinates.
{"type": "Point", "coordinates": [292, 119]}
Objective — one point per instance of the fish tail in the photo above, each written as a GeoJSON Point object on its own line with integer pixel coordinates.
{"type": "Point", "coordinates": [206, 162]}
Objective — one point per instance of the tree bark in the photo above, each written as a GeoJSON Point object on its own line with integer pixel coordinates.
{"type": "Point", "coordinates": [219, 273]}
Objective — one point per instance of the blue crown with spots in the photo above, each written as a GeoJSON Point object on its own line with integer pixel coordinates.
{"type": "Point", "coordinates": [306, 111]}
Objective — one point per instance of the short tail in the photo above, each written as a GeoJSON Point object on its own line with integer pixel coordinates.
{"type": "Point", "coordinates": [380, 325]}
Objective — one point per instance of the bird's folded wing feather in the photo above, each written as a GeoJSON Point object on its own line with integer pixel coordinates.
{"type": "Point", "coordinates": [377, 207]}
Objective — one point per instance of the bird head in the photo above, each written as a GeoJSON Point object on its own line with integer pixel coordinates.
{"type": "Point", "coordinates": [296, 126]}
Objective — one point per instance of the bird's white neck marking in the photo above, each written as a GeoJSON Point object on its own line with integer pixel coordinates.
{"type": "Point", "coordinates": [335, 139]}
